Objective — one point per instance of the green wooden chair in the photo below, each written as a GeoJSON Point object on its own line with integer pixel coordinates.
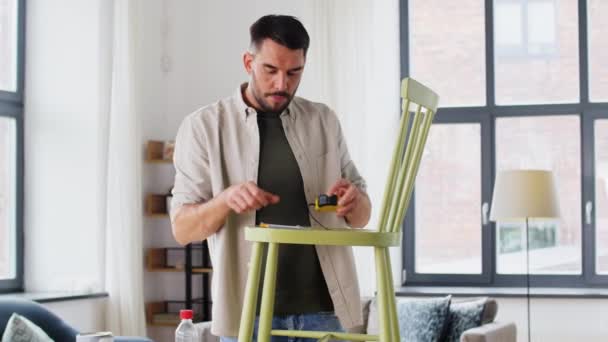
{"type": "Point", "coordinates": [413, 132]}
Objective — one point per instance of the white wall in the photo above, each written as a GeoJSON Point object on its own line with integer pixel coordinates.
{"type": "Point", "coordinates": [204, 45]}
{"type": "Point", "coordinates": [84, 315]}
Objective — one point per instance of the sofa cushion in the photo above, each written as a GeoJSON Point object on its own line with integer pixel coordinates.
{"type": "Point", "coordinates": [419, 319]}
{"type": "Point", "coordinates": [464, 315]}
{"type": "Point", "coordinates": [21, 329]}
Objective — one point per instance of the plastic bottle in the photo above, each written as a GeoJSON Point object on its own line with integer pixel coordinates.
{"type": "Point", "coordinates": [186, 331]}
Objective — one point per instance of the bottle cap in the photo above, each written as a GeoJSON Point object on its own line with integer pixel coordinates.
{"type": "Point", "coordinates": [186, 314]}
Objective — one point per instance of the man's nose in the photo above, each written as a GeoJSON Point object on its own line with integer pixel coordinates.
{"type": "Point", "coordinates": [280, 82]}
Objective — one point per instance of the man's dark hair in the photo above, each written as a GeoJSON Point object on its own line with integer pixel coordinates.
{"type": "Point", "coordinates": [283, 29]}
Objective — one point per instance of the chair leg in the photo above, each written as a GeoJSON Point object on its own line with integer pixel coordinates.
{"type": "Point", "coordinates": [270, 277]}
{"type": "Point", "coordinates": [383, 312]}
{"type": "Point", "coordinates": [251, 294]}
{"type": "Point", "coordinates": [393, 320]}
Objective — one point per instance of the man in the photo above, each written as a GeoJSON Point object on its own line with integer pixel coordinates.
{"type": "Point", "coordinates": [263, 155]}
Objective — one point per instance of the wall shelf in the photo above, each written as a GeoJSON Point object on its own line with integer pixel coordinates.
{"type": "Point", "coordinates": [159, 161]}
{"type": "Point", "coordinates": [159, 151]}
{"type": "Point", "coordinates": [156, 205]}
{"type": "Point", "coordinates": [166, 313]}
{"type": "Point", "coordinates": [198, 270]}
{"type": "Point", "coordinates": [157, 215]}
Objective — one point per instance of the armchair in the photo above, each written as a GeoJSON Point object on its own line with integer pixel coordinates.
{"type": "Point", "coordinates": [55, 327]}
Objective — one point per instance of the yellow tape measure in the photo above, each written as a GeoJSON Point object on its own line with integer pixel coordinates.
{"type": "Point", "coordinates": [325, 203]}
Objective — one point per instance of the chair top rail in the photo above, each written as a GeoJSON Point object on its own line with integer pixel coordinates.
{"type": "Point", "coordinates": [420, 94]}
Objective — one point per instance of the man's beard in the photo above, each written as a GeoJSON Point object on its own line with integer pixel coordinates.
{"type": "Point", "coordinates": [265, 106]}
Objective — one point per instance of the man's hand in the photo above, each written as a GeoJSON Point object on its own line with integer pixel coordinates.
{"type": "Point", "coordinates": [247, 196]}
{"type": "Point", "coordinates": [196, 222]}
{"type": "Point", "coordinates": [353, 204]}
{"type": "Point", "coordinates": [348, 194]}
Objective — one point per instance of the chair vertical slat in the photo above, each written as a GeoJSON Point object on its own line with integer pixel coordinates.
{"type": "Point", "coordinates": [392, 308]}
{"type": "Point", "coordinates": [270, 281]}
{"type": "Point", "coordinates": [403, 167]}
{"type": "Point", "coordinates": [413, 169]}
{"type": "Point", "coordinates": [251, 294]}
{"type": "Point", "coordinates": [395, 162]}
{"type": "Point", "coordinates": [384, 297]}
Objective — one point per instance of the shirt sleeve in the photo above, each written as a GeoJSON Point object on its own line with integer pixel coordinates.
{"type": "Point", "coordinates": [190, 158]}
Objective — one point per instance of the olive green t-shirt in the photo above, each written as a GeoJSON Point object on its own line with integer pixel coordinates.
{"type": "Point", "coordinates": [300, 287]}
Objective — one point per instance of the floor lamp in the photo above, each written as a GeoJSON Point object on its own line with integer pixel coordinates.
{"type": "Point", "coordinates": [522, 195]}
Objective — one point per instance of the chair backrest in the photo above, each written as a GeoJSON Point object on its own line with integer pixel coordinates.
{"type": "Point", "coordinates": [413, 132]}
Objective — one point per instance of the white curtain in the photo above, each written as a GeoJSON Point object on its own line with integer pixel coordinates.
{"type": "Point", "coordinates": [123, 226]}
{"type": "Point", "coordinates": [353, 66]}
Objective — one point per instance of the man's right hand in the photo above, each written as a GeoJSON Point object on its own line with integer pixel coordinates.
{"type": "Point", "coordinates": [247, 196]}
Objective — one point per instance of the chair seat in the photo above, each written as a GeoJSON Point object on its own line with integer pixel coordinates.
{"type": "Point", "coordinates": [323, 236]}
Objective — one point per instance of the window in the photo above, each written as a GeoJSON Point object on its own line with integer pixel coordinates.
{"type": "Point", "coordinates": [451, 169]}
{"type": "Point", "coordinates": [537, 106]}
{"type": "Point", "coordinates": [536, 51]}
{"type": "Point", "coordinates": [598, 48]}
{"type": "Point", "coordinates": [601, 196]}
{"type": "Point", "coordinates": [456, 29]}
{"type": "Point", "coordinates": [7, 199]}
{"type": "Point", "coordinates": [525, 28]}
{"type": "Point", "coordinates": [542, 142]}
{"type": "Point", "coordinates": [11, 145]}
{"type": "Point", "coordinates": [8, 45]}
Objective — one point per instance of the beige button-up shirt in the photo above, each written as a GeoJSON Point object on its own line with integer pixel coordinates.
{"type": "Point", "coordinates": [218, 146]}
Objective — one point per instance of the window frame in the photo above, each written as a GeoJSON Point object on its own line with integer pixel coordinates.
{"type": "Point", "coordinates": [487, 115]}
{"type": "Point", "coordinates": [409, 229]}
{"type": "Point", "coordinates": [589, 234]}
{"type": "Point", "coordinates": [11, 106]}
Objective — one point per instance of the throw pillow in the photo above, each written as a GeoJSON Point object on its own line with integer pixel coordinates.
{"type": "Point", "coordinates": [419, 319]}
{"type": "Point", "coordinates": [21, 329]}
{"type": "Point", "coordinates": [463, 316]}
{"type": "Point", "coordinates": [422, 319]}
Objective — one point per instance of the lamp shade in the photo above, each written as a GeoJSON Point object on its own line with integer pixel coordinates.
{"type": "Point", "coordinates": [520, 194]}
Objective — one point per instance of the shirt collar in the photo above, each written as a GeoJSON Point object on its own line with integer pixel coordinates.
{"type": "Point", "coordinates": [245, 110]}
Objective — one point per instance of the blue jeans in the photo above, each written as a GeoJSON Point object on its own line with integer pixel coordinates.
{"type": "Point", "coordinates": [322, 321]}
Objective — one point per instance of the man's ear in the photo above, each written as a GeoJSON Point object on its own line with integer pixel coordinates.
{"type": "Point", "coordinates": [247, 61]}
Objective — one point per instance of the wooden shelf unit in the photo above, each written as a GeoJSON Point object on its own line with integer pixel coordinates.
{"type": "Point", "coordinates": [157, 258]}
